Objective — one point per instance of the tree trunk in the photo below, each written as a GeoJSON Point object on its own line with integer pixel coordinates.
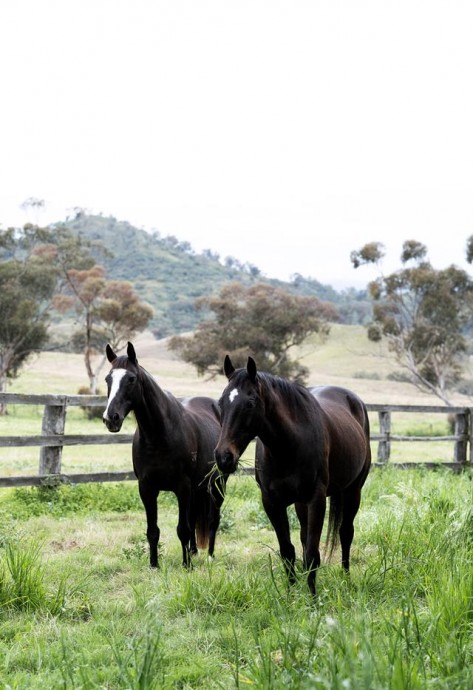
{"type": "Point", "coordinates": [3, 388]}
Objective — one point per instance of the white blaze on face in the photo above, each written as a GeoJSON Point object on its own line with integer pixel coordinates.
{"type": "Point", "coordinates": [117, 375]}
{"type": "Point", "coordinates": [233, 394]}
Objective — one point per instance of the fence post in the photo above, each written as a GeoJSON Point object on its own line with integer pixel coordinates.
{"type": "Point", "coordinates": [470, 436]}
{"type": "Point", "coordinates": [54, 420]}
{"type": "Point", "coordinates": [384, 445]}
{"type": "Point", "coordinates": [461, 426]}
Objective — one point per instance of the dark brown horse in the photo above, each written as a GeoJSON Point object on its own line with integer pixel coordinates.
{"type": "Point", "coordinates": [173, 450]}
{"type": "Point", "coordinates": [312, 443]}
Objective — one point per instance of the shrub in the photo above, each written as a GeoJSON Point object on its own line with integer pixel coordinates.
{"type": "Point", "coordinates": [90, 412]}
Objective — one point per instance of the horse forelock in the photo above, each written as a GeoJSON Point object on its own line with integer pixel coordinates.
{"type": "Point", "coordinates": [122, 362]}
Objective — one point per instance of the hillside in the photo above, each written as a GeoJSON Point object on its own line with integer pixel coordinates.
{"type": "Point", "coordinates": [170, 275]}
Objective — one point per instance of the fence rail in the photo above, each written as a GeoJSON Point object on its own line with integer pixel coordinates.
{"type": "Point", "coordinates": [53, 438]}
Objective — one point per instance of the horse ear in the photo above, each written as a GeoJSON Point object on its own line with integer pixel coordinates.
{"type": "Point", "coordinates": [251, 368]}
{"type": "Point", "coordinates": [228, 367]}
{"type": "Point", "coordinates": [130, 350]}
{"type": "Point", "coordinates": [110, 353]}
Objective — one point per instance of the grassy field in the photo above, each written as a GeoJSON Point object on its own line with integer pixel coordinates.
{"type": "Point", "coordinates": [80, 609]}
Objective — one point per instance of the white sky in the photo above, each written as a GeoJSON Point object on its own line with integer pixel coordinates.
{"type": "Point", "coordinates": [283, 133]}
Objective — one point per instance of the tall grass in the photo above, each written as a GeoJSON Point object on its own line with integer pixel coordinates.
{"type": "Point", "coordinates": [403, 619]}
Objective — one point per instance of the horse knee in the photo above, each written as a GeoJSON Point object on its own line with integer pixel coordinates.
{"type": "Point", "coordinates": [183, 533]}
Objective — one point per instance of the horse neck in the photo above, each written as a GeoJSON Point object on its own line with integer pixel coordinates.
{"type": "Point", "coordinates": [157, 411]}
{"type": "Point", "coordinates": [282, 414]}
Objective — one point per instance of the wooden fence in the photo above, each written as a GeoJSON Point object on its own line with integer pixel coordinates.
{"type": "Point", "coordinates": [53, 438]}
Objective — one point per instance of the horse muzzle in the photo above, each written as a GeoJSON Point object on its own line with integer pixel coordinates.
{"type": "Point", "coordinates": [113, 423]}
{"type": "Point", "coordinates": [227, 460]}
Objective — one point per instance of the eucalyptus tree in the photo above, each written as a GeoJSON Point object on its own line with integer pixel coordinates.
{"type": "Point", "coordinates": [26, 289]}
{"type": "Point", "coordinates": [262, 320]}
{"type": "Point", "coordinates": [423, 313]}
{"type": "Point", "coordinates": [30, 278]}
{"type": "Point", "coordinates": [108, 311]}
{"type": "Point", "coordinates": [46, 270]}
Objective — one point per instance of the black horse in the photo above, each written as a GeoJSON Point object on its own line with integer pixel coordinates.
{"type": "Point", "coordinates": [173, 450]}
{"type": "Point", "coordinates": [312, 443]}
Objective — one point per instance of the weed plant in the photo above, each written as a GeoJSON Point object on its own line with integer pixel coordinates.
{"type": "Point", "coordinates": [79, 607]}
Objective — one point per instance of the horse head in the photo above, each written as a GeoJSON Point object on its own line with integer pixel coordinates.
{"type": "Point", "coordinates": [241, 410]}
{"type": "Point", "coordinates": [121, 387]}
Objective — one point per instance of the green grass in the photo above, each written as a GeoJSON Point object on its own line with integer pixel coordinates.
{"type": "Point", "coordinates": [79, 607]}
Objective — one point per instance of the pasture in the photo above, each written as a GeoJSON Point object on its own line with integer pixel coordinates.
{"type": "Point", "coordinates": [79, 607]}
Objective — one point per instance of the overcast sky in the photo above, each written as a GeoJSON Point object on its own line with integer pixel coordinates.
{"type": "Point", "coordinates": [282, 133]}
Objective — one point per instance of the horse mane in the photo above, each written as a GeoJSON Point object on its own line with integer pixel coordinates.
{"type": "Point", "coordinates": [294, 394]}
{"type": "Point", "coordinates": [147, 380]}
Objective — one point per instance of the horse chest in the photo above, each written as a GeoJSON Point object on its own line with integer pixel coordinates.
{"type": "Point", "coordinates": [288, 483]}
{"type": "Point", "coordinates": [161, 465]}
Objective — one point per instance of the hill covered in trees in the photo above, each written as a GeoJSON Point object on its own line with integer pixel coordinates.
{"type": "Point", "coordinates": [170, 275]}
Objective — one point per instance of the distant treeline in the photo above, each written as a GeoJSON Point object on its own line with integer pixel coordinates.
{"type": "Point", "coordinates": [170, 275]}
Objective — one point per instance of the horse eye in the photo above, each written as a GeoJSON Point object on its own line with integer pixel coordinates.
{"type": "Point", "coordinates": [131, 380]}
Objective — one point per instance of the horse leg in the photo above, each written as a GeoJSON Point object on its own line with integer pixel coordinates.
{"type": "Point", "coordinates": [214, 521]}
{"type": "Point", "coordinates": [183, 525]}
{"type": "Point", "coordinates": [193, 550]}
{"type": "Point", "coordinates": [301, 511]}
{"type": "Point", "coordinates": [315, 523]}
{"type": "Point", "coordinates": [216, 499]}
{"type": "Point", "coordinates": [351, 503]}
{"type": "Point", "coordinates": [277, 515]}
{"type": "Point", "coordinates": [149, 498]}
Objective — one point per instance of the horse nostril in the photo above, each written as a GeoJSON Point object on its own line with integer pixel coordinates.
{"type": "Point", "coordinates": [116, 417]}
{"type": "Point", "coordinates": [226, 461]}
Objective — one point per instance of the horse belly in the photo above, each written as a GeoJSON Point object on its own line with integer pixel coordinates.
{"type": "Point", "coordinates": [347, 459]}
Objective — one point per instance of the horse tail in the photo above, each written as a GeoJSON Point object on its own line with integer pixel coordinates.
{"type": "Point", "coordinates": [360, 412]}
{"type": "Point", "coordinates": [202, 515]}
{"type": "Point", "coordinates": [366, 428]}
{"type": "Point", "coordinates": [335, 517]}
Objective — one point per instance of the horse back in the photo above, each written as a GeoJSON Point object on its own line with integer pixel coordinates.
{"type": "Point", "coordinates": [347, 431]}
{"type": "Point", "coordinates": [203, 407]}
{"type": "Point", "coordinates": [203, 415]}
